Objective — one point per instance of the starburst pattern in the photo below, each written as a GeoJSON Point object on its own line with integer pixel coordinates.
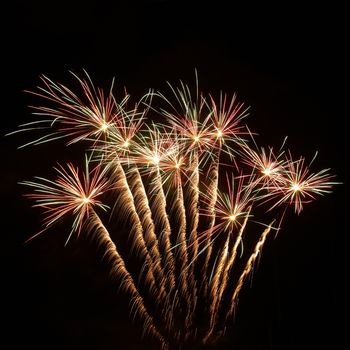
{"type": "Point", "coordinates": [72, 192]}
{"type": "Point", "coordinates": [298, 185]}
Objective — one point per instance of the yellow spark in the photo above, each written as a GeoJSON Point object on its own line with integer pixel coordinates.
{"type": "Point", "coordinates": [126, 144]}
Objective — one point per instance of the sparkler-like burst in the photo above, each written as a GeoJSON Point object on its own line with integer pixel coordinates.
{"type": "Point", "coordinates": [71, 193]}
{"type": "Point", "coordinates": [163, 181]}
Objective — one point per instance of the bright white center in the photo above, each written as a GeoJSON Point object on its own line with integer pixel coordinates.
{"type": "Point", "coordinates": [219, 133]}
{"type": "Point", "coordinates": [296, 187]}
{"type": "Point", "coordinates": [267, 171]}
{"type": "Point", "coordinates": [232, 217]}
{"type": "Point", "coordinates": [104, 127]}
{"type": "Point", "coordinates": [86, 200]}
{"type": "Point", "coordinates": [156, 159]}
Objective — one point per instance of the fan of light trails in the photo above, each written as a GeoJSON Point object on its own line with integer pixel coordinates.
{"type": "Point", "coordinates": [164, 185]}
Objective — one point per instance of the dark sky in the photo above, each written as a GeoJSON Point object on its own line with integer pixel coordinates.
{"type": "Point", "coordinates": [287, 63]}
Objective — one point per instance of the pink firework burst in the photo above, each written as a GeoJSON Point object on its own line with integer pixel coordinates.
{"type": "Point", "coordinates": [298, 185]}
{"type": "Point", "coordinates": [73, 192]}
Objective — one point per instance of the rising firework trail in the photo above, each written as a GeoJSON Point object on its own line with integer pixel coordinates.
{"type": "Point", "coordinates": [248, 268]}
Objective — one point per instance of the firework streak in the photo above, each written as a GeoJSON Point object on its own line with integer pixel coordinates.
{"type": "Point", "coordinates": [158, 188]}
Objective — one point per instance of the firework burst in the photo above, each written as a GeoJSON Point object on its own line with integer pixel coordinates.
{"type": "Point", "coordinates": [164, 184]}
{"type": "Point", "coordinates": [297, 186]}
{"type": "Point", "coordinates": [72, 192]}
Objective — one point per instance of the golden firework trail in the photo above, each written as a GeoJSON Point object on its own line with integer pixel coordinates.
{"type": "Point", "coordinates": [120, 147]}
{"type": "Point", "coordinates": [181, 251]}
{"type": "Point", "coordinates": [162, 182]}
{"type": "Point", "coordinates": [151, 153]}
{"type": "Point", "coordinates": [148, 154]}
{"type": "Point", "coordinates": [123, 277]}
{"type": "Point", "coordinates": [173, 167]}
{"type": "Point", "coordinates": [125, 207]}
{"type": "Point", "coordinates": [248, 268]}
{"type": "Point", "coordinates": [222, 274]}
{"type": "Point", "coordinates": [143, 211]}
{"type": "Point", "coordinates": [213, 176]}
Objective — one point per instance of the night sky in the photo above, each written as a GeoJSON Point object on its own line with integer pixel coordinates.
{"type": "Point", "coordinates": [287, 63]}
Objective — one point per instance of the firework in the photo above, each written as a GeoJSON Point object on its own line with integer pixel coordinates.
{"type": "Point", "coordinates": [71, 193]}
{"type": "Point", "coordinates": [298, 186]}
{"type": "Point", "coordinates": [164, 184]}
{"type": "Point", "coordinates": [232, 211]}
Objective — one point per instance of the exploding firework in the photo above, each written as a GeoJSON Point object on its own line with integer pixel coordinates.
{"type": "Point", "coordinates": [165, 181]}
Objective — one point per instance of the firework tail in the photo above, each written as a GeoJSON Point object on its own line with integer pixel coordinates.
{"type": "Point", "coordinates": [118, 271]}
{"type": "Point", "coordinates": [193, 195]}
{"type": "Point", "coordinates": [181, 253]}
{"type": "Point", "coordinates": [214, 284]}
{"type": "Point", "coordinates": [127, 209]}
{"type": "Point", "coordinates": [144, 212]}
{"type": "Point", "coordinates": [248, 267]}
{"type": "Point", "coordinates": [230, 262]}
{"type": "Point", "coordinates": [161, 295]}
{"type": "Point", "coordinates": [193, 220]}
{"type": "Point", "coordinates": [161, 220]}
{"type": "Point", "coordinates": [213, 192]}
{"type": "Point", "coordinates": [220, 281]}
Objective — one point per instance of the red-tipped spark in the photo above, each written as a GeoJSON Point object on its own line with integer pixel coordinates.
{"type": "Point", "coordinates": [231, 207]}
{"type": "Point", "coordinates": [73, 117]}
{"type": "Point", "coordinates": [226, 122]}
{"type": "Point", "coordinates": [268, 167]}
{"type": "Point", "coordinates": [71, 193]}
{"type": "Point", "coordinates": [298, 186]}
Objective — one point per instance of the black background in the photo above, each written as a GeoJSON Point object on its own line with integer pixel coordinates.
{"type": "Point", "coordinates": [288, 63]}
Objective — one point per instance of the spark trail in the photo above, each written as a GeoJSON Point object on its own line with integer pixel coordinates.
{"type": "Point", "coordinates": [123, 278]}
{"type": "Point", "coordinates": [247, 270]}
